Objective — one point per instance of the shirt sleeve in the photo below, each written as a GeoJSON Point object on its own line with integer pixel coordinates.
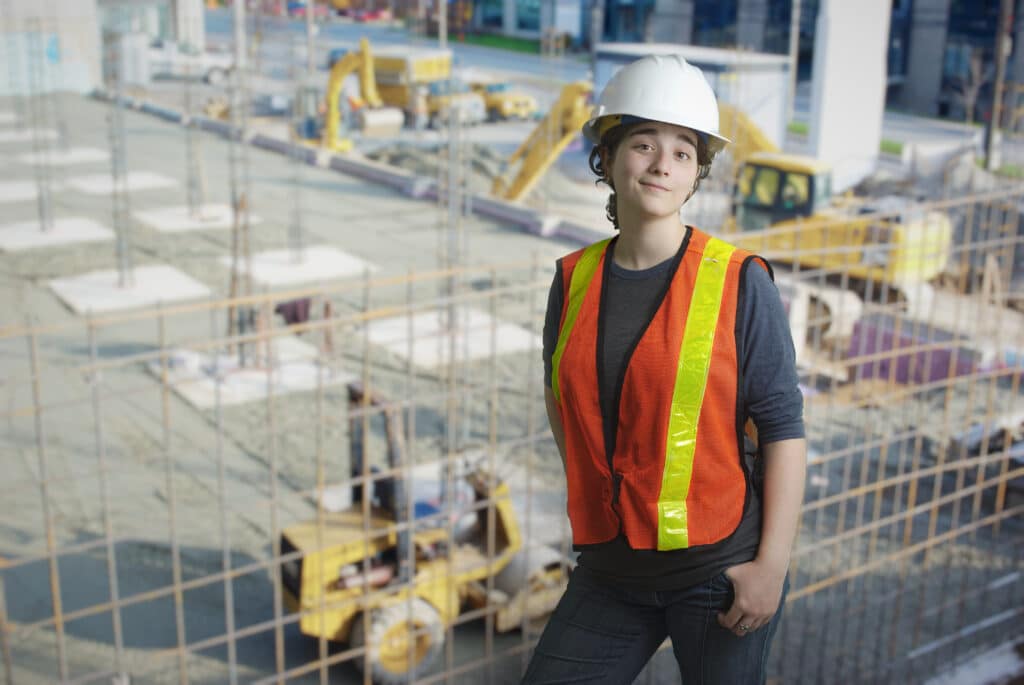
{"type": "Point", "coordinates": [768, 360]}
{"type": "Point", "coordinates": [552, 319]}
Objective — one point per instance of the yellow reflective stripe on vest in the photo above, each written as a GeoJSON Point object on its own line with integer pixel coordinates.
{"type": "Point", "coordinates": [688, 394]}
{"type": "Point", "coordinates": [582, 275]}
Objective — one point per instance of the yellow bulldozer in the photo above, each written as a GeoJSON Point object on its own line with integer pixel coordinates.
{"type": "Point", "coordinates": [390, 579]}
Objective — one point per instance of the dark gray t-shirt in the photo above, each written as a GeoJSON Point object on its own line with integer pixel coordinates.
{"type": "Point", "coordinates": [768, 384]}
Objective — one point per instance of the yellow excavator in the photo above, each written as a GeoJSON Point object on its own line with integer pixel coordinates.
{"type": "Point", "coordinates": [547, 141]}
{"type": "Point", "coordinates": [391, 579]}
{"type": "Point", "coordinates": [320, 115]}
{"type": "Point", "coordinates": [783, 207]}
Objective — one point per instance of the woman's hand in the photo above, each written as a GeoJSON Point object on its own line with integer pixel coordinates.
{"type": "Point", "coordinates": [757, 589]}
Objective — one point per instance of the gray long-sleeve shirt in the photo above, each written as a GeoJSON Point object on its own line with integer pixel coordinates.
{"type": "Point", "coordinates": [768, 385]}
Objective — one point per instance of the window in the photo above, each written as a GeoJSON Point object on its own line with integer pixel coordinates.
{"type": "Point", "coordinates": [765, 186]}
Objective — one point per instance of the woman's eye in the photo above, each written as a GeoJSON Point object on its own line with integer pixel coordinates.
{"type": "Point", "coordinates": [684, 155]}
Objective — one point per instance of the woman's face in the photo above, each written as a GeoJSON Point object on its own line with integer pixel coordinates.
{"type": "Point", "coordinates": [653, 170]}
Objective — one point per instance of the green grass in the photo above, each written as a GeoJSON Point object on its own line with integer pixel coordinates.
{"type": "Point", "coordinates": [891, 147]}
{"type": "Point", "coordinates": [1014, 171]}
{"type": "Point", "coordinates": [504, 42]}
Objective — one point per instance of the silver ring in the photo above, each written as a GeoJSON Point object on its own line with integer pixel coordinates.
{"type": "Point", "coordinates": [743, 627]}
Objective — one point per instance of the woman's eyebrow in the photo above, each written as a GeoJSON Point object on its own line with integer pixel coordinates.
{"type": "Point", "coordinates": [686, 137]}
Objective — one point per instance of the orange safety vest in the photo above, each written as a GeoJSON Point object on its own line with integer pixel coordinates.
{"type": "Point", "coordinates": [678, 455]}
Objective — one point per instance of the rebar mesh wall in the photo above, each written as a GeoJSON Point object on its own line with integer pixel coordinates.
{"type": "Point", "coordinates": [153, 527]}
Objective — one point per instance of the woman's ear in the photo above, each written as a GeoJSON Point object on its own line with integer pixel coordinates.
{"type": "Point", "coordinates": [607, 159]}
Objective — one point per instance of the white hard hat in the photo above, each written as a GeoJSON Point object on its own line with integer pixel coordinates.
{"type": "Point", "coordinates": [663, 88]}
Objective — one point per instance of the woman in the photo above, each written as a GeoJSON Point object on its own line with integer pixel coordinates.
{"type": "Point", "coordinates": [660, 344]}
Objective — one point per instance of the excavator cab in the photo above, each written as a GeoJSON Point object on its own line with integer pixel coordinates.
{"type": "Point", "coordinates": [774, 188]}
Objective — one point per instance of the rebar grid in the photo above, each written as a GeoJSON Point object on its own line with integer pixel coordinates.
{"type": "Point", "coordinates": [904, 502]}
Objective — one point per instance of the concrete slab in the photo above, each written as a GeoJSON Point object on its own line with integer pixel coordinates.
{"type": "Point", "coordinates": [103, 184]}
{"type": "Point", "coordinates": [26, 135]}
{"type": "Point", "coordinates": [98, 291]}
{"type": "Point", "coordinates": [179, 219]}
{"type": "Point", "coordinates": [476, 332]}
{"type": "Point", "coordinates": [21, 191]}
{"type": "Point", "coordinates": [195, 376]}
{"type": "Point", "coordinates": [28, 235]}
{"type": "Point", "coordinates": [72, 155]}
{"type": "Point", "coordinates": [8, 117]}
{"type": "Point", "coordinates": [317, 263]}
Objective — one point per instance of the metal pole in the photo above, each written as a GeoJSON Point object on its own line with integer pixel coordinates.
{"type": "Point", "coordinates": [794, 57]}
{"type": "Point", "coordinates": [310, 30]}
{"type": "Point", "coordinates": [275, 536]}
{"type": "Point", "coordinates": [442, 24]}
{"type": "Point", "coordinates": [1001, 53]}
{"type": "Point", "coordinates": [108, 528]}
{"type": "Point", "coordinates": [172, 514]}
{"type": "Point", "coordinates": [39, 114]}
{"type": "Point", "coordinates": [121, 208]}
{"type": "Point", "coordinates": [5, 647]}
{"type": "Point", "coordinates": [225, 529]}
{"type": "Point", "coordinates": [44, 491]}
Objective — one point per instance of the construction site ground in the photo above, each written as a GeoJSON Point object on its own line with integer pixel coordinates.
{"type": "Point", "coordinates": [393, 233]}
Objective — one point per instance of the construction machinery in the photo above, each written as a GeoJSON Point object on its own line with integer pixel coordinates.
{"type": "Point", "coordinates": [503, 102]}
{"type": "Point", "coordinates": [545, 143]}
{"type": "Point", "coordinates": [391, 574]}
{"type": "Point", "coordinates": [320, 115]}
{"type": "Point", "coordinates": [783, 205]}
{"type": "Point", "coordinates": [419, 81]}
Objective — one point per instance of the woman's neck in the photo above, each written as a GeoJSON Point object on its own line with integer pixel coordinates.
{"type": "Point", "coordinates": [649, 244]}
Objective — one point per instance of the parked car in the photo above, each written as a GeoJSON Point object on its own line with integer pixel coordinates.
{"type": "Point", "coordinates": [171, 60]}
{"type": "Point", "coordinates": [297, 8]}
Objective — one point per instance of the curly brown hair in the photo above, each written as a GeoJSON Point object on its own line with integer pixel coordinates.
{"type": "Point", "coordinates": [610, 142]}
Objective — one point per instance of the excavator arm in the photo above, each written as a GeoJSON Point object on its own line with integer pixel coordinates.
{"type": "Point", "coordinates": [746, 136]}
{"type": "Point", "coordinates": [361, 61]}
{"type": "Point", "coordinates": [543, 146]}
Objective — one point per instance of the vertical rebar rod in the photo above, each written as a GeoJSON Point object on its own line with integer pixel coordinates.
{"type": "Point", "coordinates": [222, 504]}
{"type": "Point", "coordinates": [238, 171]}
{"type": "Point", "coordinates": [5, 645]}
{"type": "Point", "coordinates": [44, 491]}
{"type": "Point", "coordinates": [529, 376]}
{"type": "Point", "coordinates": [275, 530]}
{"type": "Point", "coordinates": [120, 202]}
{"type": "Point", "coordinates": [170, 469]}
{"type": "Point", "coordinates": [310, 44]}
{"type": "Point", "coordinates": [193, 156]}
{"type": "Point", "coordinates": [295, 227]}
{"type": "Point", "coordinates": [39, 118]}
{"type": "Point", "coordinates": [108, 528]}
{"type": "Point", "coordinates": [492, 451]}
{"type": "Point", "coordinates": [323, 362]}
{"type": "Point", "coordinates": [366, 491]}
{"type": "Point", "coordinates": [320, 487]}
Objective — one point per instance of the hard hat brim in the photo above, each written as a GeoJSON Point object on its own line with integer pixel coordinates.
{"type": "Point", "coordinates": [592, 132]}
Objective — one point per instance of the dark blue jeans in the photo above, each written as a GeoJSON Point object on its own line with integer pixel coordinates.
{"type": "Point", "coordinates": [600, 633]}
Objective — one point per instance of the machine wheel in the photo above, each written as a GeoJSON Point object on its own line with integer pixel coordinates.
{"type": "Point", "coordinates": [388, 643]}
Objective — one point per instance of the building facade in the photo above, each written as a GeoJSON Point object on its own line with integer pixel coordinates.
{"type": "Point", "coordinates": [940, 55]}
